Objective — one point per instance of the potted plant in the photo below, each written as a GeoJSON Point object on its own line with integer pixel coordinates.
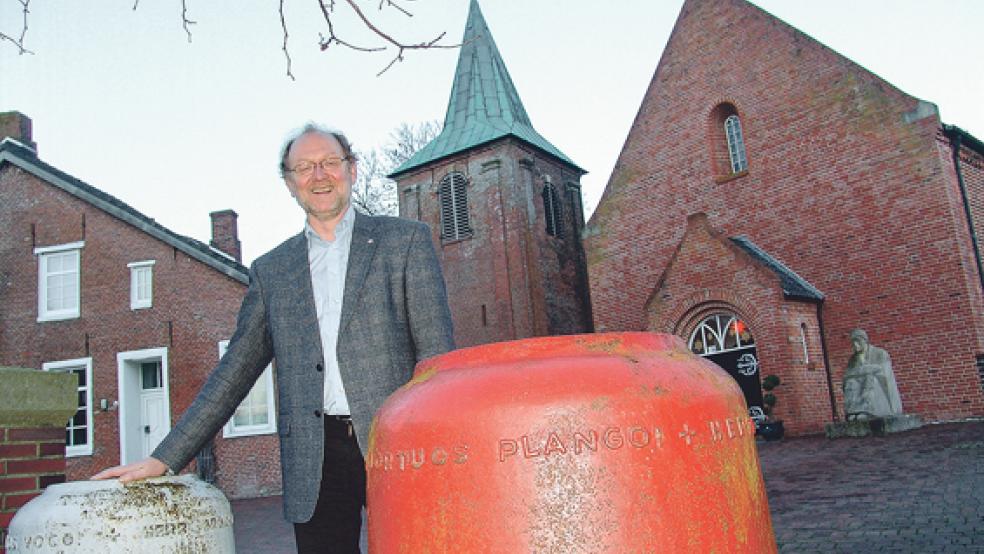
{"type": "Point", "coordinates": [772, 429]}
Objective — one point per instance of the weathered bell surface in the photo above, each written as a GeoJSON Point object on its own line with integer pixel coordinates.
{"type": "Point", "coordinates": [166, 514]}
{"type": "Point", "coordinates": [607, 443]}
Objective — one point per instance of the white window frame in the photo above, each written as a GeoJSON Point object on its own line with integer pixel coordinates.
{"type": "Point", "coordinates": [736, 143]}
{"type": "Point", "coordinates": [66, 365]}
{"type": "Point", "coordinates": [44, 255]}
{"type": "Point", "coordinates": [231, 430]}
{"type": "Point", "coordinates": [136, 268]}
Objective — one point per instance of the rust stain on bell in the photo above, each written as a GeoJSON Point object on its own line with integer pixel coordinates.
{"type": "Point", "coordinates": [608, 443]}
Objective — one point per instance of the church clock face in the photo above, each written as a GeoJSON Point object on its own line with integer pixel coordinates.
{"type": "Point", "coordinates": [727, 341]}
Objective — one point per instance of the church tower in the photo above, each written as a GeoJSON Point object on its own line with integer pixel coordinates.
{"type": "Point", "coordinates": [504, 206]}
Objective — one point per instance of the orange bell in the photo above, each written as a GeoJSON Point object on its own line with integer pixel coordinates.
{"type": "Point", "coordinates": [616, 443]}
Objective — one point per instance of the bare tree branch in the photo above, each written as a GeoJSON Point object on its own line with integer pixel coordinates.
{"type": "Point", "coordinates": [184, 18]}
{"type": "Point", "coordinates": [19, 42]}
{"type": "Point", "coordinates": [283, 25]}
{"type": "Point", "coordinates": [399, 45]}
{"type": "Point", "coordinates": [327, 11]}
{"type": "Point", "coordinates": [324, 42]}
{"type": "Point", "coordinates": [374, 192]}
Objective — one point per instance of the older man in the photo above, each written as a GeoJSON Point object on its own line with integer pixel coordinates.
{"type": "Point", "coordinates": [347, 307]}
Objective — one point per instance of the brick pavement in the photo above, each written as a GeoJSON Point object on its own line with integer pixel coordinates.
{"type": "Point", "coordinates": [916, 492]}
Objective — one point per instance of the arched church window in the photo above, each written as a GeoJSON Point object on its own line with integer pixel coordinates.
{"type": "Point", "coordinates": [454, 207]}
{"type": "Point", "coordinates": [726, 138]}
{"type": "Point", "coordinates": [806, 351]}
{"type": "Point", "coordinates": [736, 144]}
{"type": "Point", "coordinates": [552, 211]}
{"type": "Point", "coordinates": [721, 332]}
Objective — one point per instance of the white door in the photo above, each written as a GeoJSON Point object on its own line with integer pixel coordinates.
{"type": "Point", "coordinates": [153, 407]}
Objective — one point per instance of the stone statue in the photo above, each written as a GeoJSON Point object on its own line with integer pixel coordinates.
{"type": "Point", "coordinates": [869, 383]}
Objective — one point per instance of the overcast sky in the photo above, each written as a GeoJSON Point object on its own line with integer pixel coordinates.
{"type": "Point", "coordinates": [121, 100]}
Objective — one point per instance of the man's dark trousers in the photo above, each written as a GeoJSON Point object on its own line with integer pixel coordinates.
{"type": "Point", "coordinates": [336, 525]}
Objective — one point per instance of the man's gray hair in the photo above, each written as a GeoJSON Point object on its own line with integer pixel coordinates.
{"type": "Point", "coordinates": [311, 127]}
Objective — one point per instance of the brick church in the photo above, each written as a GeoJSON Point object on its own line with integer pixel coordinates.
{"type": "Point", "coordinates": [771, 196]}
{"type": "Point", "coordinates": [504, 205]}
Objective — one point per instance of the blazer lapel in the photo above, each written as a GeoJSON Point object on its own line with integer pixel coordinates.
{"type": "Point", "coordinates": [298, 289]}
{"type": "Point", "coordinates": [364, 242]}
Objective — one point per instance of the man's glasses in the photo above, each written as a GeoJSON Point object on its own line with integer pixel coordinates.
{"type": "Point", "coordinates": [305, 169]}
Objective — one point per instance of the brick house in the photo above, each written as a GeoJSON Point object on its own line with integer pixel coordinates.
{"type": "Point", "coordinates": [139, 313]}
{"type": "Point", "coordinates": [771, 196]}
{"type": "Point", "coordinates": [504, 205]}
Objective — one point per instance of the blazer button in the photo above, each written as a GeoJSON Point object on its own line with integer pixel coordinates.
{"type": "Point", "coordinates": [317, 413]}
{"type": "Point", "coordinates": [319, 367]}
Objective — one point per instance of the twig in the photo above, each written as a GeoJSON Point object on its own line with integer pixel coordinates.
{"type": "Point", "coordinates": [326, 11]}
{"type": "Point", "coordinates": [283, 25]}
{"type": "Point", "coordinates": [399, 45]}
{"type": "Point", "coordinates": [184, 18]}
{"type": "Point", "coordinates": [19, 42]}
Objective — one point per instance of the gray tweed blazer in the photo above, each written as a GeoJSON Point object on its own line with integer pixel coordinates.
{"type": "Point", "coordinates": [394, 314]}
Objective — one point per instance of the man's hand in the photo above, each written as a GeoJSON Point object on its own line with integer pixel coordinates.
{"type": "Point", "coordinates": [149, 467]}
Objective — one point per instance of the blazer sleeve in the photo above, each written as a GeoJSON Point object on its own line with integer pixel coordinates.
{"type": "Point", "coordinates": [427, 299]}
{"type": "Point", "coordinates": [250, 351]}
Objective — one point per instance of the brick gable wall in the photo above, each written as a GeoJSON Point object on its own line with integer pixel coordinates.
{"type": "Point", "coordinates": [194, 307]}
{"type": "Point", "coordinates": [846, 185]}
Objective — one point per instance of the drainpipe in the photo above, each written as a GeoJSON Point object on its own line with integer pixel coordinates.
{"type": "Point", "coordinates": [826, 362]}
{"type": "Point", "coordinates": [955, 139]}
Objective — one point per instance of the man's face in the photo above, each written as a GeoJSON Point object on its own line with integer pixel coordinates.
{"type": "Point", "coordinates": [323, 194]}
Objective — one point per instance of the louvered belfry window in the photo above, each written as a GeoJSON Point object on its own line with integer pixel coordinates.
{"type": "Point", "coordinates": [454, 207]}
{"type": "Point", "coordinates": [551, 211]}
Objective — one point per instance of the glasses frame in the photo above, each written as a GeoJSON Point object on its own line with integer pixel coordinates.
{"type": "Point", "coordinates": [327, 165]}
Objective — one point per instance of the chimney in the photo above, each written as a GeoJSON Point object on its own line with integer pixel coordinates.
{"type": "Point", "coordinates": [17, 126]}
{"type": "Point", "coordinates": [225, 233]}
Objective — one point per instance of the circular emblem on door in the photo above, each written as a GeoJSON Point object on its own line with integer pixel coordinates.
{"type": "Point", "coordinates": [747, 364]}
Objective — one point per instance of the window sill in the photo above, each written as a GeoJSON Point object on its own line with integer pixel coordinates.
{"type": "Point", "coordinates": [229, 434]}
{"type": "Point", "coordinates": [731, 177]}
{"type": "Point", "coordinates": [58, 317]}
{"type": "Point", "coordinates": [446, 242]}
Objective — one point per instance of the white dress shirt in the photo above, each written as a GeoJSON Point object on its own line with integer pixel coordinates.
{"type": "Point", "coordinates": [329, 261]}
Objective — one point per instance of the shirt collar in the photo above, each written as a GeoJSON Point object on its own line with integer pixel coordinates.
{"type": "Point", "coordinates": [343, 229]}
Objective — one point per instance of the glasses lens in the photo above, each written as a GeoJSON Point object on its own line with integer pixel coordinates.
{"type": "Point", "coordinates": [329, 164]}
{"type": "Point", "coordinates": [303, 168]}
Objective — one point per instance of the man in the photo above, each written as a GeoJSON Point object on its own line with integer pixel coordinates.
{"type": "Point", "coordinates": [869, 383]}
{"type": "Point", "coordinates": [347, 308]}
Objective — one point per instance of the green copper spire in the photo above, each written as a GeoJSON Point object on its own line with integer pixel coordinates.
{"type": "Point", "coordinates": [484, 104]}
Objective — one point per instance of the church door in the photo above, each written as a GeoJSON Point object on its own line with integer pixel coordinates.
{"type": "Point", "coordinates": [728, 342]}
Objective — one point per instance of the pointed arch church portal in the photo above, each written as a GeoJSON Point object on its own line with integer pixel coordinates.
{"type": "Point", "coordinates": [727, 341]}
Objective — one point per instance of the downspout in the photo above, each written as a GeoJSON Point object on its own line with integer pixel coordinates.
{"type": "Point", "coordinates": [826, 361]}
{"type": "Point", "coordinates": [955, 138]}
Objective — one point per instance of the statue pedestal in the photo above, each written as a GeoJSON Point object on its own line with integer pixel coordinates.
{"type": "Point", "coordinates": [876, 426]}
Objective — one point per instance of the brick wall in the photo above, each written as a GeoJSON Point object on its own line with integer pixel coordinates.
{"type": "Point", "coordinates": [194, 307]}
{"type": "Point", "coordinates": [846, 185]}
{"type": "Point", "coordinates": [510, 279]}
{"type": "Point", "coordinates": [33, 409]}
{"type": "Point", "coordinates": [710, 274]}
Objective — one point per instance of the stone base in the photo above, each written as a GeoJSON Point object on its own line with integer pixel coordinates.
{"type": "Point", "coordinates": [877, 426]}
